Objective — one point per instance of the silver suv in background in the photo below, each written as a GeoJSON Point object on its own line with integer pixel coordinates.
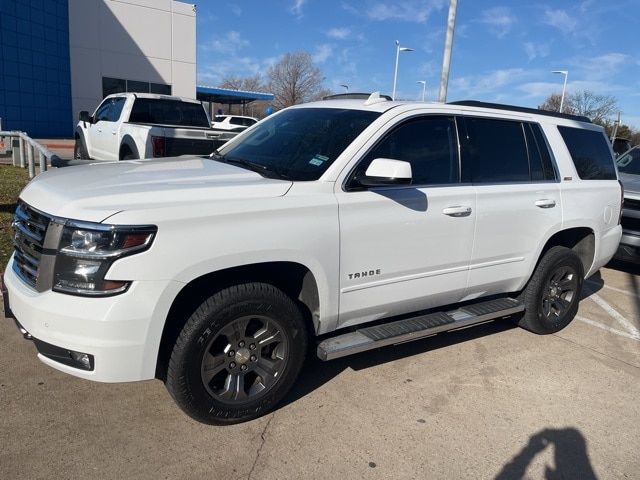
{"type": "Point", "coordinates": [629, 170]}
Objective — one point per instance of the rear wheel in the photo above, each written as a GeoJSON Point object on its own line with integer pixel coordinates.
{"type": "Point", "coordinates": [238, 354]}
{"type": "Point", "coordinates": [552, 296]}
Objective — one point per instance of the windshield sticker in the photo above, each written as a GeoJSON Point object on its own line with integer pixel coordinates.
{"type": "Point", "coordinates": [318, 160]}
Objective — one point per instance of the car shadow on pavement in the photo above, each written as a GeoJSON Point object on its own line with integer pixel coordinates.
{"type": "Point", "coordinates": [316, 372]}
{"type": "Point", "coordinates": [633, 273]}
{"type": "Point", "coordinates": [569, 451]}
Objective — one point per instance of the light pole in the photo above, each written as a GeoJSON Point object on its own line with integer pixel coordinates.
{"type": "Point", "coordinates": [346, 87]}
{"type": "Point", "coordinates": [564, 87]}
{"type": "Point", "coordinates": [424, 87]}
{"type": "Point", "coordinates": [448, 48]}
{"type": "Point", "coordinates": [395, 74]}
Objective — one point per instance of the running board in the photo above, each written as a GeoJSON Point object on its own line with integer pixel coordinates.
{"type": "Point", "coordinates": [401, 331]}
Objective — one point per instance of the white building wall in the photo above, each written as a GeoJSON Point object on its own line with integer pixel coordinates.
{"type": "Point", "coordinates": [145, 40]}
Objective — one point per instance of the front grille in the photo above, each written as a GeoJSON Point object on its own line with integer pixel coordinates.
{"type": "Point", "coordinates": [30, 228]}
{"type": "Point", "coordinates": [630, 223]}
{"type": "Point", "coordinates": [632, 204]}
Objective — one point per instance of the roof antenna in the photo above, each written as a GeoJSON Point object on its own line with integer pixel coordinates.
{"type": "Point", "coordinates": [375, 98]}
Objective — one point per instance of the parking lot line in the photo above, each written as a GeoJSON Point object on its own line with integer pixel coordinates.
{"type": "Point", "coordinates": [615, 289]}
{"type": "Point", "coordinates": [607, 328]}
{"type": "Point", "coordinates": [615, 315]}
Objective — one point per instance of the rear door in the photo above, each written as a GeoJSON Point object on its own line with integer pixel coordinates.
{"type": "Point", "coordinates": [518, 200]}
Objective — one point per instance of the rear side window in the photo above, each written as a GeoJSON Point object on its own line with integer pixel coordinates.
{"type": "Point", "coordinates": [495, 151]}
{"type": "Point", "coordinates": [539, 157]}
{"type": "Point", "coordinates": [590, 152]}
{"type": "Point", "coordinates": [169, 112]}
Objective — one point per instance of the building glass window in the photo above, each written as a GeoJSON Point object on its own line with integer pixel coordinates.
{"type": "Point", "coordinates": [120, 85]}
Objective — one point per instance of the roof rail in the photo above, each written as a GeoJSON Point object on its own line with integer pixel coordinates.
{"type": "Point", "coordinates": [353, 96]}
{"type": "Point", "coordinates": [514, 108]}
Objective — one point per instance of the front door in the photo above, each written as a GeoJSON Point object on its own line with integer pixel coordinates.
{"type": "Point", "coordinates": [406, 248]}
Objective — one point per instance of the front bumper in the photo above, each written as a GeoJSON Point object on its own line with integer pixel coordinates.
{"type": "Point", "coordinates": [121, 333]}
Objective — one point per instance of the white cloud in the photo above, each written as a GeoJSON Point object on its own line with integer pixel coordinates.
{"type": "Point", "coordinates": [499, 20]}
{"type": "Point", "coordinates": [405, 11]}
{"type": "Point", "coordinates": [297, 7]}
{"type": "Point", "coordinates": [604, 66]}
{"type": "Point", "coordinates": [341, 33]}
{"type": "Point", "coordinates": [322, 53]}
{"type": "Point", "coordinates": [561, 20]}
{"type": "Point", "coordinates": [236, 9]}
{"type": "Point", "coordinates": [229, 44]}
{"type": "Point", "coordinates": [476, 85]}
{"type": "Point", "coordinates": [537, 50]}
{"type": "Point", "coordinates": [540, 89]}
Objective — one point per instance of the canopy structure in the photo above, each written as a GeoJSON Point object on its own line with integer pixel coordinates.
{"type": "Point", "coordinates": [226, 96]}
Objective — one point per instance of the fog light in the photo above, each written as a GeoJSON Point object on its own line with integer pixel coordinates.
{"type": "Point", "coordinates": [83, 359]}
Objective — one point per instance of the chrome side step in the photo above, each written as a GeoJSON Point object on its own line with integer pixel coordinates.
{"type": "Point", "coordinates": [401, 331]}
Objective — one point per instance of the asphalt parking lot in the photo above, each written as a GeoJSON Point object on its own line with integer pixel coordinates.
{"type": "Point", "coordinates": [492, 401]}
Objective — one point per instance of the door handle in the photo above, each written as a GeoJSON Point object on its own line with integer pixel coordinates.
{"type": "Point", "coordinates": [545, 203]}
{"type": "Point", "coordinates": [457, 211]}
{"type": "Point", "coordinates": [99, 130]}
{"type": "Point", "coordinates": [113, 132]}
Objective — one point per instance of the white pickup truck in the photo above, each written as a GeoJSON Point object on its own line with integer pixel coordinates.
{"type": "Point", "coordinates": [348, 225]}
{"type": "Point", "coordinates": [128, 126]}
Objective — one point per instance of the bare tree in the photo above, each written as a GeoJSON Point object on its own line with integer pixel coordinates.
{"type": "Point", "coordinates": [552, 104]}
{"type": "Point", "coordinates": [250, 84]}
{"type": "Point", "coordinates": [599, 108]}
{"type": "Point", "coordinates": [294, 79]}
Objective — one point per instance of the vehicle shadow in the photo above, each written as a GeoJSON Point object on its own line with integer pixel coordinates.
{"type": "Point", "coordinates": [570, 456]}
{"type": "Point", "coordinates": [316, 372]}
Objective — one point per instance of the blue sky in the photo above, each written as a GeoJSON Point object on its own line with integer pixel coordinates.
{"type": "Point", "coordinates": [503, 51]}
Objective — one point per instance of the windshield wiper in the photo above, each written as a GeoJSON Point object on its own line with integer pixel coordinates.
{"type": "Point", "coordinates": [263, 170]}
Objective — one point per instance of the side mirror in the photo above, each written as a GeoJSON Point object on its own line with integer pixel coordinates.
{"type": "Point", "coordinates": [84, 116]}
{"type": "Point", "coordinates": [386, 172]}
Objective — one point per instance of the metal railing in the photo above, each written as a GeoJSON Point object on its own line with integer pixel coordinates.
{"type": "Point", "coordinates": [24, 150]}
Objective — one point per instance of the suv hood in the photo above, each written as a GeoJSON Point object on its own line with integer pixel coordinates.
{"type": "Point", "coordinates": [97, 191]}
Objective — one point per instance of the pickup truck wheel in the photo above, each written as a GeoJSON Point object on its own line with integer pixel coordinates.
{"type": "Point", "coordinates": [552, 296]}
{"type": "Point", "coordinates": [80, 150]}
{"type": "Point", "coordinates": [238, 354]}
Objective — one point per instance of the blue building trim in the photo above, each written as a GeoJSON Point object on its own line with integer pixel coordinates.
{"type": "Point", "coordinates": [35, 76]}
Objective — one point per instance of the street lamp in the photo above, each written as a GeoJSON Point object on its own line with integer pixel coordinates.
{"type": "Point", "coordinates": [424, 87]}
{"type": "Point", "coordinates": [346, 87]}
{"type": "Point", "coordinates": [395, 74]}
{"type": "Point", "coordinates": [564, 87]}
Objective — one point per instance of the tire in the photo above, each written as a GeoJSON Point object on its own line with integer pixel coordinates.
{"type": "Point", "coordinates": [127, 154]}
{"type": "Point", "coordinates": [218, 373]}
{"type": "Point", "coordinates": [80, 150]}
{"type": "Point", "coordinates": [552, 296]}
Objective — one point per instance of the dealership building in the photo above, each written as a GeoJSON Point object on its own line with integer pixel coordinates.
{"type": "Point", "coordinates": [58, 57]}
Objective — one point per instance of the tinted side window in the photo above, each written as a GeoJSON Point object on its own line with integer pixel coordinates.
{"type": "Point", "coordinates": [495, 151]}
{"type": "Point", "coordinates": [103, 111]}
{"type": "Point", "coordinates": [590, 152]}
{"type": "Point", "coordinates": [429, 144]}
{"type": "Point", "coordinates": [168, 112]}
{"type": "Point", "coordinates": [539, 157]}
{"type": "Point", "coordinates": [116, 108]}
{"type": "Point", "coordinates": [549, 172]}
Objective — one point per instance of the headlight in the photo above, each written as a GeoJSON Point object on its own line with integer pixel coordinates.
{"type": "Point", "coordinates": [86, 252]}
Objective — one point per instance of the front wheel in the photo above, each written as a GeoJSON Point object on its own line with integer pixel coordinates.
{"type": "Point", "coordinates": [238, 354]}
{"type": "Point", "coordinates": [552, 296]}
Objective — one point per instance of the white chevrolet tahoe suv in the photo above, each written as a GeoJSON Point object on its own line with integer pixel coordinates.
{"type": "Point", "coordinates": [345, 224]}
{"type": "Point", "coordinates": [128, 126]}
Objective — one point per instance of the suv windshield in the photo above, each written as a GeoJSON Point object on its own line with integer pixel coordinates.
{"type": "Point", "coordinates": [630, 162]}
{"type": "Point", "coordinates": [301, 143]}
